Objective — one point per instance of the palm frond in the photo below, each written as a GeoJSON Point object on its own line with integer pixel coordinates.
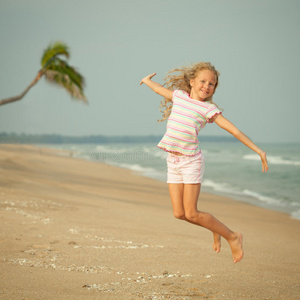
{"type": "Point", "coordinates": [53, 50]}
{"type": "Point", "coordinates": [60, 73]}
{"type": "Point", "coordinates": [56, 71]}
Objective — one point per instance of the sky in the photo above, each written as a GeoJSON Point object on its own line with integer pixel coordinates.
{"type": "Point", "coordinates": [254, 44]}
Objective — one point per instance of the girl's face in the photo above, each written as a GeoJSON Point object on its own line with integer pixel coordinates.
{"type": "Point", "coordinates": [203, 85]}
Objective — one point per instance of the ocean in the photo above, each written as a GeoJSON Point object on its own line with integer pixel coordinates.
{"type": "Point", "coordinates": [231, 169]}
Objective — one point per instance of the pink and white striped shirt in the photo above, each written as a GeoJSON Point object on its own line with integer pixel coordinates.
{"type": "Point", "coordinates": [187, 118]}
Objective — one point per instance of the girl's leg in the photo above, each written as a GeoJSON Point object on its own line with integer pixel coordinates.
{"type": "Point", "coordinates": [176, 193]}
{"type": "Point", "coordinates": [190, 198]}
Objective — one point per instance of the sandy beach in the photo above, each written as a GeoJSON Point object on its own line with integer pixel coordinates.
{"type": "Point", "coordinates": [74, 229]}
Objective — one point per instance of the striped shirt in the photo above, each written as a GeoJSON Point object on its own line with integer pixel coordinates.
{"type": "Point", "coordinates": [187, 118]}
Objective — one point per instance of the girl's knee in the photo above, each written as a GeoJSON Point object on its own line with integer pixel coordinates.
{"type": "Point", "coordinates": [191, 217]}
{"type": "Point", "coordinates": [179, 215]}
{"type": "Point", "coordinates": [194, 216]}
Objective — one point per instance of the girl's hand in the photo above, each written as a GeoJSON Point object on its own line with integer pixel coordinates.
{"type": "Point", "coordinates": [264, 162]}
{"type": "Point", "coordinates": [145, 79]}
{"type": "Point", "coordinates": [156, 87]}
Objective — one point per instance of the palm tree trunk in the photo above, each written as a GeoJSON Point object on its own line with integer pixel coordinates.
{"type": "Point", "coordinates": [16, 98]}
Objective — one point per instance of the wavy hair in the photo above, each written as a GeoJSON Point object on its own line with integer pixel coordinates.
{"type": "Point", "coordinates": [179, 79]}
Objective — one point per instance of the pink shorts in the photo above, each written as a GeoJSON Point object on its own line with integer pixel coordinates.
{"type": "Point", "coordinates": [185, 169]}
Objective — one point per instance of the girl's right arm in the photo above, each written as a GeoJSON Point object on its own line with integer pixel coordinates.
{"type": "Point", "coordinates": [156, 87]}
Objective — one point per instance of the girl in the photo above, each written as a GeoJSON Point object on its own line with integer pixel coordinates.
{"type": "Point", "coordinates": [188, 107]}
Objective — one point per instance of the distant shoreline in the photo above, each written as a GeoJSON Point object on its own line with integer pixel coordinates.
{"type": "Point", "coordinates": [14, 138]}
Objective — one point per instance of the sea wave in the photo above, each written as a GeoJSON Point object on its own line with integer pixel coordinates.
{"type": "Point", "coordinates": [296, 214]}
{"type": "Point", "coordinates": [227, 188]}
{"type": "Point", "coordinates": [135, 167]}
{"type": "Point", "coordinates": [274, 160]}
{"type": "Point", "coordinates": [105, 149]}
{"type": "Point", "coordinates": [145, 171]}
{"type": "Point", "coordinates": [149, 161]}
{"type": "Point", "coordinates": [219, 187]}
{"type": "Point", "coordinates": [262, 198]}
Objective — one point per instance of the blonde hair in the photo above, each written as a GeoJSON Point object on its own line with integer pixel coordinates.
{"type": "Point", "coordinates": [181, 81]}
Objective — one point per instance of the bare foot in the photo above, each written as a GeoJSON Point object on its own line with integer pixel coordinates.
{"type": "Point", "coordinates": [236, 245]}
{"type": "Point", "coordinates": [217, 242]}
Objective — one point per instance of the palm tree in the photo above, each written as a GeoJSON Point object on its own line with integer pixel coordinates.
{"type": "Point", "coordinates": [56, 71]}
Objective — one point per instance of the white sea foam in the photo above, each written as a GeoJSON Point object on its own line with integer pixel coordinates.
{"type": "Point", "coordinates": [219, 187]}
{"type": "Point", "coordinates": [296, 214]}
{"type": "Point", "coordinates": [226, 188]}
{"type": "Point", "coordinates": [263, 198]}
{"type": "Point", "coordinates": [274, 160]}
{"type": "Point", "coordinates": [148, 172]}
{"type": "Point", "coordinates": [136, 168]}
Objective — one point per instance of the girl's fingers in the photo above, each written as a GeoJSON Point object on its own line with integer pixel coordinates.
{"type": "Point", "coordinates": [264, 162]}
{"type": "Point", "coordinates": [147, 77]}
{"type": "Point", "coordinates": [153, 74]}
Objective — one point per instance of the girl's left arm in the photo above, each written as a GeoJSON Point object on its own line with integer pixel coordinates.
{"type": "Point", "coordinates": [228, 126]}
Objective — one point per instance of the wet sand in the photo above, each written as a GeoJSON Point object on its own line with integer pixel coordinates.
{"type": "Point", "coordinates": [73, 229]}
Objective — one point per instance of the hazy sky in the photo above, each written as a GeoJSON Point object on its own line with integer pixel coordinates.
{"type": "Point", "coordinates": [253, 43]}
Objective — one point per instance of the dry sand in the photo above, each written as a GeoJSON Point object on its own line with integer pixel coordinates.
{"type": "Point", "coordinates": [73, 229]}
